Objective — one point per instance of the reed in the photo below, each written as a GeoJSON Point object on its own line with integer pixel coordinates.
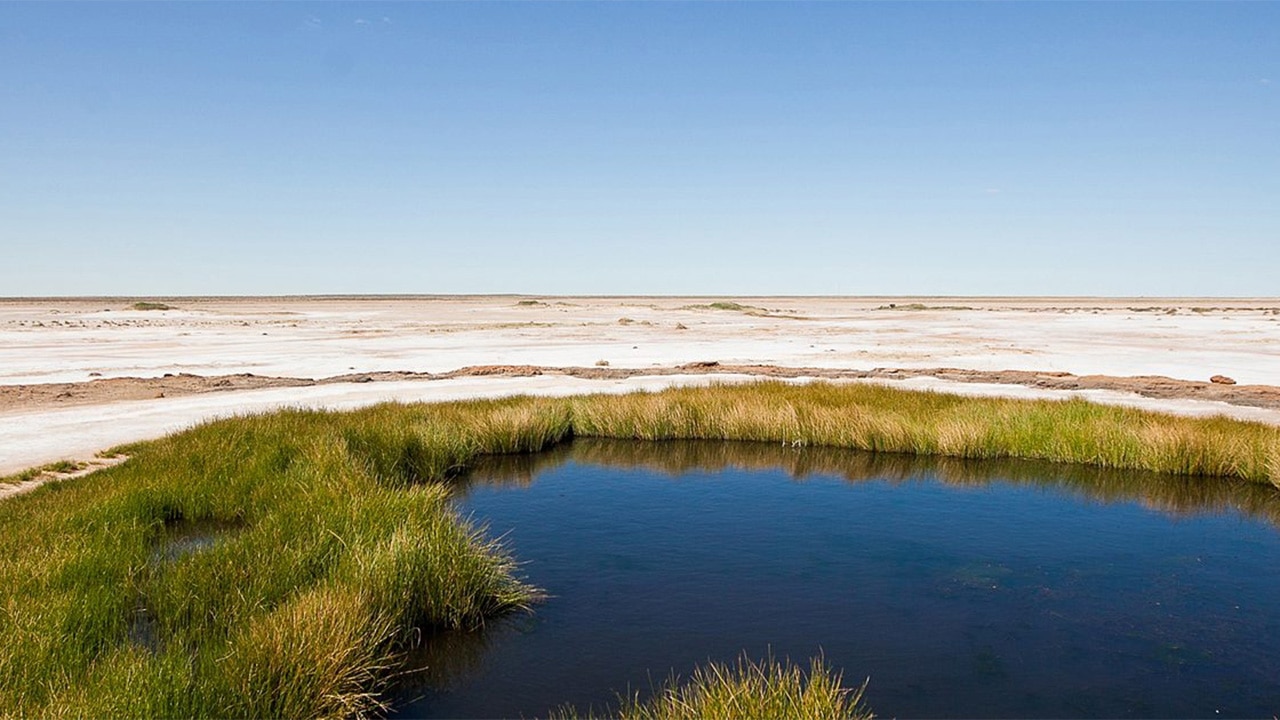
{"type": "Point", "coordinates": [882, 419]}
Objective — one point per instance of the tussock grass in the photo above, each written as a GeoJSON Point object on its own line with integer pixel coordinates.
{"type": "Point", "coordinates": [748, 689]}
{"type": "Point", "coordinates": [883, 419]}
{"type": "Point", "coordinates": [339, 545]}
{"type": "Point", "coordinates": [344, 549]}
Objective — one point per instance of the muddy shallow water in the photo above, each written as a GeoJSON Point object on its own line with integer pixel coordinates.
{"type": "Point", "coordinates": [960, 589]}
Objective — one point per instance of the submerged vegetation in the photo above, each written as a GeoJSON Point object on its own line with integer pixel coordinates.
{"type": "Point", "coordinates": [334, 545]}
{"type": "Point", "coordinates": [749, 689]}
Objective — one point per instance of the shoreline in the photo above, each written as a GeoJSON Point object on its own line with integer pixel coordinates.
{"type": "Point", "coordinates": [134, 409]}
{"type": "Point", "coordinates": [80, 375]}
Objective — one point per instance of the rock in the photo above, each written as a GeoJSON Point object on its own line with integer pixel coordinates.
{"type": "Point", "coordinates": [1221, 380]}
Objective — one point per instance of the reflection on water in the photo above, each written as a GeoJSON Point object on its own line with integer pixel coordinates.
{"type": "Point", "coordinates": [961, 588]}
{"type": "Point", "coordinates": [1178, 495]}
{"type": "Point", "coordinates": [443, 659]}
{"type": "Point", "coordinates": [184, 538]}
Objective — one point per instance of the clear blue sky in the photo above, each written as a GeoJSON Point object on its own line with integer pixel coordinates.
{"type": "Point", "coordinates": [711, 148]}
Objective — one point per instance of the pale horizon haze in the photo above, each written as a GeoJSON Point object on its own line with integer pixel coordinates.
{"type": "Point", "coordinates": [744, 148]}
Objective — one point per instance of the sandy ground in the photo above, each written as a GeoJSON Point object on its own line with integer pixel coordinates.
{"type": "Point", "coordinates": [78, 376]}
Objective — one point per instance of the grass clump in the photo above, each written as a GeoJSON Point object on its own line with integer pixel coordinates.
{"type": "Point", "coordinates": [748, 689]}
{"type": "Point", "coordinates": [61, 467]}
{"type": "Point", "coordinates": [64, 466]}
{"type": "Point", "coordinates": [144, 305]}
{"type": "Point", "coordinates": [724, 305]}
{"type": "Point", "coordinates": [751, 310]}
{"type": "Point", "coordinates": [21, 477]}
{"type": "Point", "coordinates": [922, 306]}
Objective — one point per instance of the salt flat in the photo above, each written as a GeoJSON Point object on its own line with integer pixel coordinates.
{"type": "Point", "coordinates": [80, 340]}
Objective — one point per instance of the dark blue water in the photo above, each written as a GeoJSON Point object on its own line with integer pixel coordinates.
{"type": "Point", "coordinates": [959, 589]}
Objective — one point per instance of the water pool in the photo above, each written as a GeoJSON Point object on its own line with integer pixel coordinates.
{"type": "Point", "coordinates": [960, 589]}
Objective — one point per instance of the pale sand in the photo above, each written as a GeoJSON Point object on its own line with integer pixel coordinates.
{"type": "Point", "coordinates": [73, 341]}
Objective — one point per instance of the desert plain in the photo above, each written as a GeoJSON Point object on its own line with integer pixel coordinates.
{"type": "Point", "coordinates": [80, 375]}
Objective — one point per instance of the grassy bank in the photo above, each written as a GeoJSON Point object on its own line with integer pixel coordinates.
{"type": "Point", "coordinates": [883, 419]}
{"type": "Point", "coordinates": [276, 565]}
{"type": "Point", "coordinates": [262, 566]}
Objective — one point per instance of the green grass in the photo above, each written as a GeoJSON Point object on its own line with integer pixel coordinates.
{"type": "Point", "coordinates": [747, 689]}
{"type": "Point", "coordinates": [337, 545]}
{"type": "Point", "coordinates": [338, 558]}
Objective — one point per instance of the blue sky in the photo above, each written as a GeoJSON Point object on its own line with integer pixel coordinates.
{"type": "Point", "coordinates": [659, 148]}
